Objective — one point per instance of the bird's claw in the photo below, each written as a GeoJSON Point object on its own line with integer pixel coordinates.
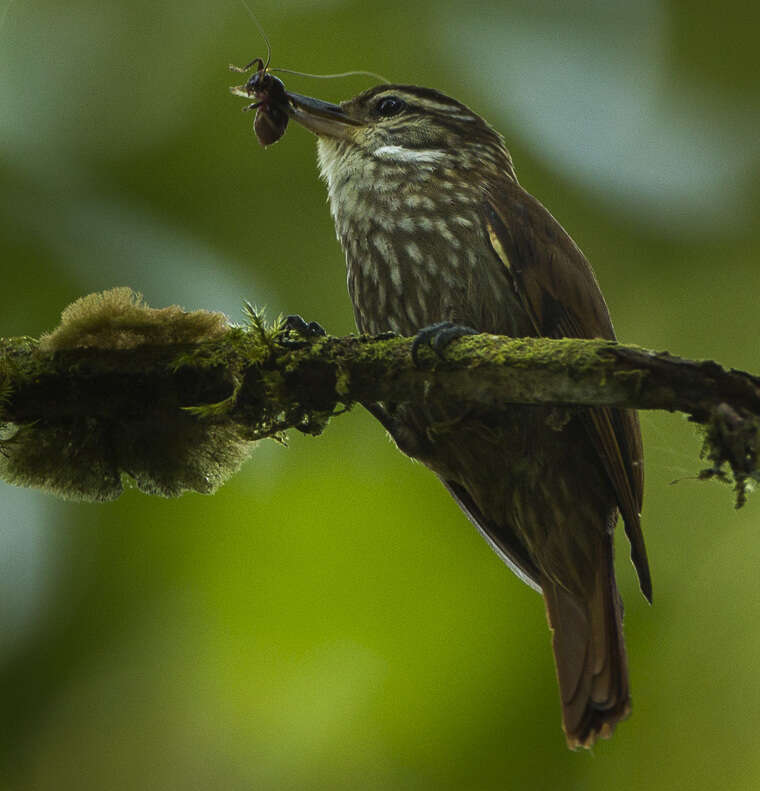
{"type": "Point", "coordinates": [438, 337]}
{"type": "Point", "coordinates": [297, 325]}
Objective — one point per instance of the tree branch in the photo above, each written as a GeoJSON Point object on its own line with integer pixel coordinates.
{"type": "Point", "coordinates": [174, 400]}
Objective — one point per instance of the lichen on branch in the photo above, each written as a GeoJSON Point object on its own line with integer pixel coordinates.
{"type": "Point", "coordinates": [170, 401]}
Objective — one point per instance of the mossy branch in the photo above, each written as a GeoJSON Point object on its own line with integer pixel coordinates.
{"type": "Point", "coordinates": [173, 401]}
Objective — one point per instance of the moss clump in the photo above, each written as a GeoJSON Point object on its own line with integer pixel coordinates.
{"type": "Point", "coordinates": [120, 319]}
{"type": "Point", "coordinates": [732, 443]}
{"type": "Point", "coordinates": [93, 460]}
{"type": "Point", "coordinates": [161, 448]}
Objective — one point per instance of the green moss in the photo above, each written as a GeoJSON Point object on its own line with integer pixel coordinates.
{"type": "Point", "coordinates": [217, 409]}
{"type": "Point", "coordinates": [731, 443]}
{"type": "Point", "coordinates": [266, 334]}
{"type": "Point", "coordinates": [343, 382]}
{"type": "Point", "coordinates": [522, 353]}
{"type": "Point", "coordinates": [165, 453]}
{"type": "Point", "coordinates": [165, 450]}
{"type": "Point", "coordinates": [120, 319]}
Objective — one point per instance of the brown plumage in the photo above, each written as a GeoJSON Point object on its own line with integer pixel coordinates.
{"type": "Point", "coordinates": [436, 227]}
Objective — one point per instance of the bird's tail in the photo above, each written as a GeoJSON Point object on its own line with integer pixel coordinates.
{"type": "Point", "coordinates": [589, 653]}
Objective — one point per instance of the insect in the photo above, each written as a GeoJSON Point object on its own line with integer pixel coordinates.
{"type": "Point", "coordinates": [271, 119]}
{"type": "Point", "coordinates": [272, 100]}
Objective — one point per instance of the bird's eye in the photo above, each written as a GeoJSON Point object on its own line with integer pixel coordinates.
{"type": "Point", "coordinates": [389, 105]}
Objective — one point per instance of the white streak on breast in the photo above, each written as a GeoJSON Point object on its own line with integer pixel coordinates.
{"type": "Point", "coordinates": [384, 247]}
{"type": "Point", "coordinates": [401, 154]}
{"type": "Point", "coordinates": [414, 252]}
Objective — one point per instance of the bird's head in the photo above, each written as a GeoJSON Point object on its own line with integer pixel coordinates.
{"type": "Point", "coordinates": [404, 127]}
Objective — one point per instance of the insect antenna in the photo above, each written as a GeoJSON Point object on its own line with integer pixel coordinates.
{"type": "Point", "coordinates": [263, 66]}
{"type": "Point", "coordinates": [357, 73]}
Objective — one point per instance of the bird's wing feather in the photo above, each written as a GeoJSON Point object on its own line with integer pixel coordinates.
{"type": "Point", "coordinates": [503, 543]}
{"type": "Point", "coordinates": [558, 290]}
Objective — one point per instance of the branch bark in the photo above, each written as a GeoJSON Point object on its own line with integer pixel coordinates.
{"type": "Point", "coordinates": [174, 400]}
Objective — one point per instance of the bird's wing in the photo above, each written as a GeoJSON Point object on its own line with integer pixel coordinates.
{"type": "Point", "coordinates": [558, 290]}
{"type": "Point", "coordinates": [505, 545]}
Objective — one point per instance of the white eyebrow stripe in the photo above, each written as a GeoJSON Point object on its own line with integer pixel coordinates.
{"type": "Point", "coordinates": [460, 117]}
{"type": "Point", "coordinates": [401, 154]}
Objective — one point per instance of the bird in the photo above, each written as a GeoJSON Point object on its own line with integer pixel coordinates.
{"type": "Point", "coordinates": [440, 239]}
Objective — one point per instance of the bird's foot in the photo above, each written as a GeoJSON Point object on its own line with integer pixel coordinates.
{"type": "Point", "coordinates": [438, 337]}
{"type": "Point", "coordinates": [295, 325]}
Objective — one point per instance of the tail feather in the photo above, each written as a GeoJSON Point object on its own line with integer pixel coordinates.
{"type": "Point", "coordinates": [590, 657]}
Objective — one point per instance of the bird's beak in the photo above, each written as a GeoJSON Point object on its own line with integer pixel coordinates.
{"type": "Point", "coordinates": [322, 118]}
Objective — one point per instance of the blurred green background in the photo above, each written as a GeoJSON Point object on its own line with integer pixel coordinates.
{"type": "Point", "coordinates": [329, 620]}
